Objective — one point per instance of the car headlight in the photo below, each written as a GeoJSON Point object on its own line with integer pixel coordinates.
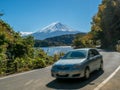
{"type": "Point", "coordinates": [54, 67]}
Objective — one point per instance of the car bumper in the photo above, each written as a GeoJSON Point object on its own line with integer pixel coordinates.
{"type": "Point", "coordinates": [67, 74]}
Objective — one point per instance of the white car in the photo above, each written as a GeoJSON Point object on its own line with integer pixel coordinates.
{"type": "Point", "coordinates": [78, 63]}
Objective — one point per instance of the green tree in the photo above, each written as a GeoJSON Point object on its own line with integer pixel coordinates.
{"type": "Point", "coordinates": [106, 23]}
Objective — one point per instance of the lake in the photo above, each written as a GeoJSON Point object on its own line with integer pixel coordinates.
{"type": "Point", "coordinates": [57, 49]}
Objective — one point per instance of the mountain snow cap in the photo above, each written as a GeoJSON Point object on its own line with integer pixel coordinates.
{"type": "Point", "coordinates": [52, 30]}
{"type": "Point", "coordinates": [56, 26]}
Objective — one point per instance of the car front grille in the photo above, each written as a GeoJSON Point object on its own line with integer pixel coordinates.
{"type": "Point", "coordinates": [66, 75]}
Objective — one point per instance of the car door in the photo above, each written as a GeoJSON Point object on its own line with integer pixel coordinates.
{"type": "Point", "coordinates": [91, 60]}
{"type": "Point", "coordinates": [97, 59]}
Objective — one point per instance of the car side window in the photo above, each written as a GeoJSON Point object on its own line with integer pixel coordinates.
{"type": "Point", "coordinates": [95, 52]}
{"type": "Point", "coordinates": [90, 54]}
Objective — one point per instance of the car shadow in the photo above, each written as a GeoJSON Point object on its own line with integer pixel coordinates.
{"type": "Point", "coordinates": [74, 83]}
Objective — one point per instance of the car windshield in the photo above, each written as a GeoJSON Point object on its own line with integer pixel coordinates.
{"type": "Point", "coordinates": [79, 54]}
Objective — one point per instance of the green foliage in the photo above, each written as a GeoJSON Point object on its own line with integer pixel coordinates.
{"type": "Point", "coordinates": [57, 41]}
{"type": "Point", "coordinates": [17, 53]}
{"type": "Point", "coordinates": [105, 30]}
{"type": "Point", "coordinates": [2, 67]}
{"type": "Point", "coordinates": [118, 48]}
{"type": "Point", "coordinates": [77, 43]}
{"type": "Point", "coordinates": [2, 39]}
{"type": "Point", "coordinates": [48, 60]}
{"type": "Point", "coordinates": [39, 63]}
{"type": "Point", "coordinates": [57, 56]}
{"type": "Point", "coordinates": [84, 41]}
{"type": "Point", "coordinates": [106, 23]}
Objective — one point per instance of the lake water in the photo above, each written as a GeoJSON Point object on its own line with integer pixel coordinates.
{"type": "Point", "coordinates": [55, 50]}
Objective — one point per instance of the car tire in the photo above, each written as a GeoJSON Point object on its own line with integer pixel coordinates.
{"type": "Point", "coordinates": [87, 73]}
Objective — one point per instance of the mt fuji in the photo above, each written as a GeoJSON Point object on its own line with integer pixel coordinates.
{"type": "Point", "coordinates": [52, 30]}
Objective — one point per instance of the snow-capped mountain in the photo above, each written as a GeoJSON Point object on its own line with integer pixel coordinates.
{"type": "Point", "coordinates": [57, 26]}
{"type": "Point", "coordinates": [54, 29]}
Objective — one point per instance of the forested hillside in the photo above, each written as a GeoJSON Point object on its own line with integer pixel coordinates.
{"type": "Point", "coordinates": [105, 29]}
{"type": "Point", "coordinates": [18, 54]}
{"type": "Point", "coordinates": [106, 23]}
{"type": "Point", "coordinates": [63, 40]}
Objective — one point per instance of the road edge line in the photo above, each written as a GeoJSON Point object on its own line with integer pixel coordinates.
{"type": "Point", "coordinates": [22, 73]}
{"type": "Point", "coordinates": [107, 79]}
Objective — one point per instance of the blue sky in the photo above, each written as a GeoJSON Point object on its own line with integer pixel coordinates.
{"type": "Point", "coordinates": [33, 15]}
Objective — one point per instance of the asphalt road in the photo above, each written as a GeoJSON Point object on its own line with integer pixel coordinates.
{"type": "Point", "coordinates": [113, 84]}
{"type": "Point", "coordinates": [41, 79]}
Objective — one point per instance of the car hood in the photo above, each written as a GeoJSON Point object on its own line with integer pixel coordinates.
{"type": "Point", "coordinates": [69, 61]}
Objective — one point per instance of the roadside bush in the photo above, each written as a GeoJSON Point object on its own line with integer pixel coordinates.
{"type": "Point", "coordinates": [118, 48]}
{"type": "Point", "coordinates": [49, 60]}
{"type": "Point", "coordinates": [18, 54]}
{"type": "Point", "coordinates": [11, 67]}
{"type": "Point", "coordinates": [57, 56]}
{"type": "Point", "coordinates": [22, 64]}
{"type": "Point", "coordinates": [38, 63]}
{"type": "Point", "coordinates": [3, 67]}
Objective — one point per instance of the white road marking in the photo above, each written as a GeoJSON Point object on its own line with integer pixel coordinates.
{"type": "Point", "coordinates": [22, 73]}
{"type": "Point", "coordinates": [29, 82]}
{"type": "Point", "coordinates": [107, 79]}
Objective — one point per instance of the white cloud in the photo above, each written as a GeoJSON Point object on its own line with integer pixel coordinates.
{"type": "Point", "coordinates": [26, 33]}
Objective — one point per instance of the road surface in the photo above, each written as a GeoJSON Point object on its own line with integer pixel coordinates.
{"type": "Point", "coordinates": [41, 79]}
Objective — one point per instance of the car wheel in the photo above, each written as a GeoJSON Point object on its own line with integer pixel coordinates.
{"type": "Point", "coordinates": [101, 66]}
{"type": "Point", "coordinates": [87, 73]}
